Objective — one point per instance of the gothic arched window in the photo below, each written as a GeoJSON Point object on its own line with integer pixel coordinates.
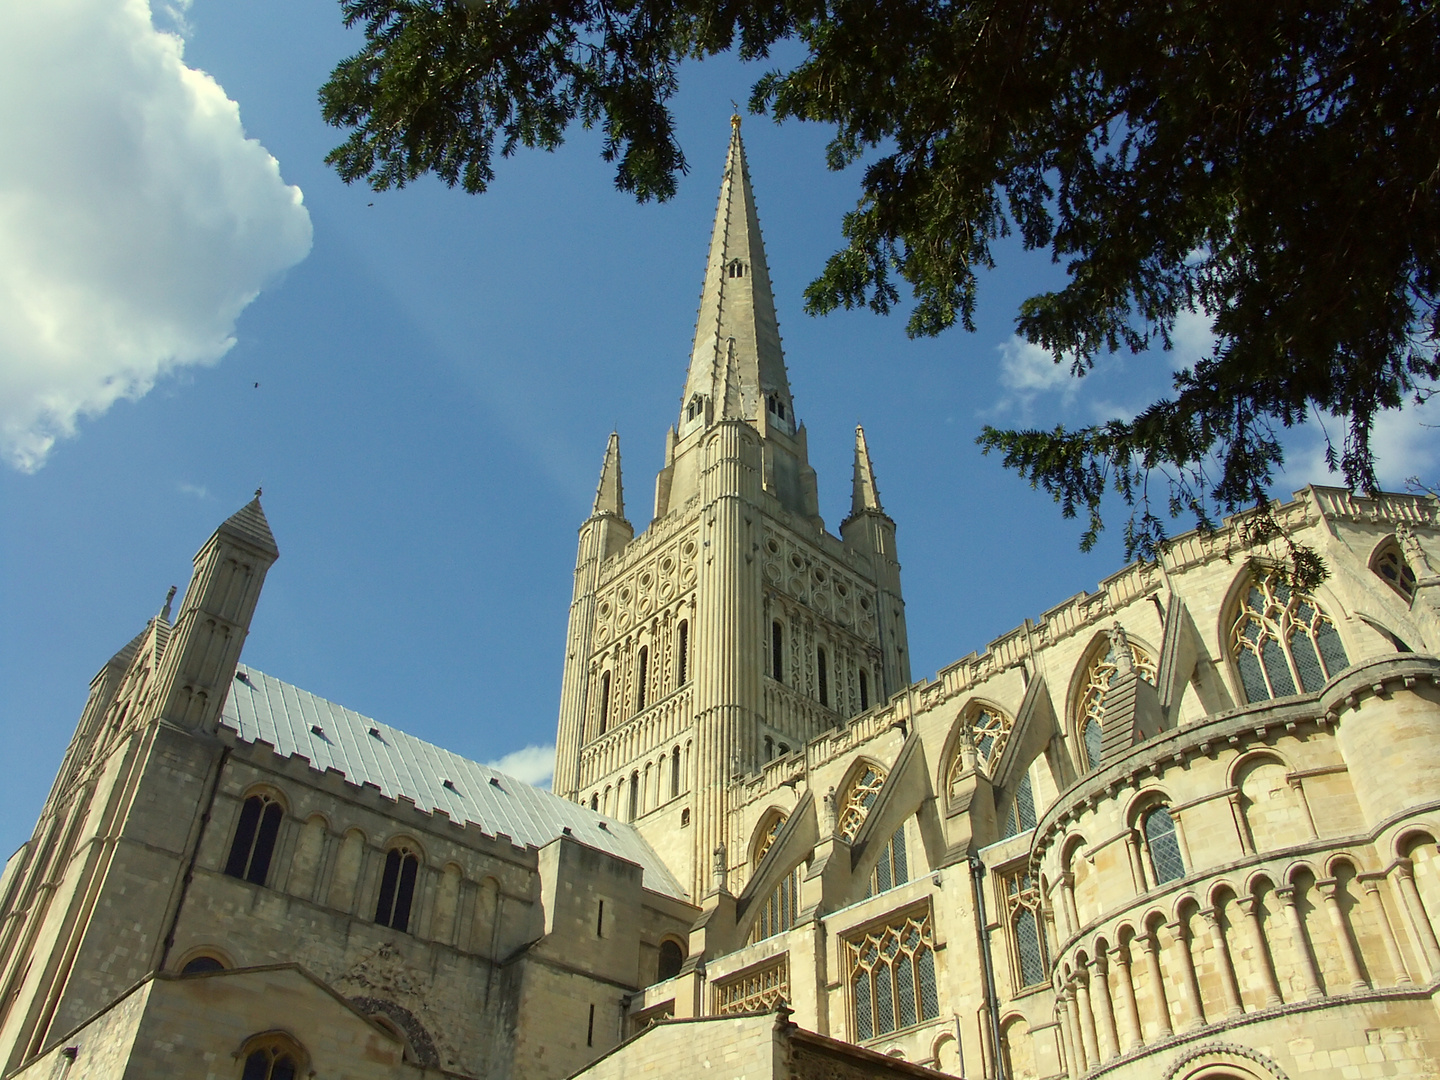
{"type": "Point", "coordinates": [864, 690]}
{"type": "Point", "coordinates": [736, 268]}
{"type": "Point", "coordinates": [254, 842]}
{"type": "Point", "coordinates": [777, 652]}
{"type": "Point", "coordinates": [604, 703]}
{"type": "Point", "coordinates": [1390, 564]}
{"type": "Point", "coordinates": [822, 674]}
{"type": "Point", "coordinates": [1103, 668]}
{"type": "Point", "coordinates": [642, 677]}
{"type": "Point", "coordinates": [1281, 640]}
{"type": "Point", "coordinates": [858, 800]}
{"type": "Point", "coordinates": [273, 1056]}
{"type": "Point", "coordinates": [1027, 940]}
{"type": "Point", "coordinates": [988, 730]}
{"type": "Point", "coordinates": [397, 888]}
{"type": "Point", "coordinates": [892, 977]}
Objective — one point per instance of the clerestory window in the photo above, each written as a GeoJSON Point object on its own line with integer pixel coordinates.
{"type": "Point", "coordinates": [892, 977]}
{"type": "Point", "coordinates": [254, 843]}
{"type": "Point", "coordinates": [397, 888]}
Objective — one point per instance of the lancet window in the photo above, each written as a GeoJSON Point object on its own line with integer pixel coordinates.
{"type": "Point", "coordinates": [892, 977]}
{"type": "Point", "coordinates": [1102, 671]}
{"type": "Point", "coordinates": [1283, 643]}
{"type": "Point", "coordinates": [254, 843]}
{"type": "Point", "coordinates": [858, 800]}
{"type": "Point", "coordinates": [1028, 951]}
{"type": "Point", "coordinates": [397, 888]}
{"type": "Point", "coordinates": [682, 654]}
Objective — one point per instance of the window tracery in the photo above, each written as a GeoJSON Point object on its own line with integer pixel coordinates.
{"type": "Point", "coordinates": [988, 730]}
{"type": "Point", "coordinates": [862, 795]}
{"type": "Point", "coordinates": [1390, 564]}
{"type": "Point", "coordinates": [1022, 808]}
{"type": "Point", "coordinates": [1102, 672]}
{"type": "Point", "coordinates": [1023, 920]}
{"type": "Point", "coordinates": [780, 910]}
{"type": "Point", "coordinates": [273, 1056]}
{"type": "Point", "coordinates": [892, 977]}
{"type": "Point", "coordinates": [757, 990]}
{"type": "Point", "coordinates": [1282, 640]}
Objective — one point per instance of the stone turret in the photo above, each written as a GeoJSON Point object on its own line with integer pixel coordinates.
{"type": "Point", "coordinates": [199, 662]}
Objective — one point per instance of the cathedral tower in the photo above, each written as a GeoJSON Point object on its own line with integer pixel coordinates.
{"type": "Point", "coordinates": [734, 628]}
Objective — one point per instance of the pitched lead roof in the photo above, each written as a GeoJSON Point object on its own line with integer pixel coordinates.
{"type": "Point", "coordinates": [260, 708]}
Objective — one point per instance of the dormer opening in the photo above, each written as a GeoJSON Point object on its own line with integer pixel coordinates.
{"type": "Point", "coordinates": [695, 408]}
{"type": "Point", "coordinates": [776, 405]}
{"type": "Point", "coordinates": [736, 269]}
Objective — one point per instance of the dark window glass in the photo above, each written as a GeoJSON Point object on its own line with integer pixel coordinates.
{"type": "Point", "coordinates": [671, 959]}
{"type": "Point", "coordinates": [202, 964]}
{"type": "Point", "coordinates": [254, 842]}
{"type": "Point", "coordinates": [864, 691]}
{"type": "Point", "coordinates": [1093, 736]}
{"type": "Point", "coordinates": [683, 659]}
{"type": "Point", "coordinates": [397, 889]}
{"type": "Point", "coordinates": [642, 678]}
{"type": "Point", "coordinates": [821, 669]}
{"type": "Point", "coordinates": [604, 701]}
{"type": "Point", "coordinates": [777, 652]}
{"type": "Point", "coordinates": [675, 773]}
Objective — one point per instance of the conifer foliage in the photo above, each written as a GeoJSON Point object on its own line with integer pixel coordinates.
{"type": "Point", "coordinates": [1271, 165]}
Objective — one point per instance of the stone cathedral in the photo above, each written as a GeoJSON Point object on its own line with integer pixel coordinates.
{"type": "Point", "coordinates": [1183, 826]}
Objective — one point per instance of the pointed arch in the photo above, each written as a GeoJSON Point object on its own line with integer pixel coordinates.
{"type": "Point", "coordinates": [1388, 563]}
{"type": "Point", "coordinates": [1090, 686]}
{"type": "Point", "coordinates": [1279, 640]}
{"type": "Point", "coordinates": [861, 789]}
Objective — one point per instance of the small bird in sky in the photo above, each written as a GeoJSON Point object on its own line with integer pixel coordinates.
{"type": "Point", "coordinates": [257, 386]}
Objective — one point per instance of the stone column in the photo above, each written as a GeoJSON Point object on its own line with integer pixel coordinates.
{"type": "Point", "coordinates": [1078, 1066]}
{"type": "Point", "coordinates": [1250, 905]}
{"type": "Point", "coordinates": [1157, 982]}
{"type": "Point", "coordinates": [1228, 986]}
{"type": "Point", "coordinates": [1301, 801]}
{"type": "Point", "coordinates": [1067, 899]}
{"type": "Point", "coordinates": [1404, 878]}
{"type": "Point", "coordinates": [1189, 983]}
{"type": "Point", "coordinates": [1129, 1010]}
{"type": "Point", "coordinates": [1109, 1037]}
{"type": "Point", "coordinates": [1087, 1016]}
{"type": "Point", "coordinates": [1308, 971]}
{"type": "Point", "coordinates": [1387, 931]}
{"type": "Point", "coordinates": [1329, 889]}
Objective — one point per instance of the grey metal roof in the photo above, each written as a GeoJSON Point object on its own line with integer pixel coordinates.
{"type": "Point", "coordinates": [260, 708]}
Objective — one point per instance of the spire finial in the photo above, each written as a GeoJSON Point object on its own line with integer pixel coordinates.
{"type": "Point", "coordinates": [610, 495]}
{"type": "Point", "coordinates": [258, 492]}
{"type": "Point", "coordinates": [169, 599]}
{"type": "Point", "coordinates": [865, 494]}
{"type": "Point", "coordinates": [735, 118]}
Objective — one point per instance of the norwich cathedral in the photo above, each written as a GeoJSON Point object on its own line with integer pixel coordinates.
{"type": "Point", "coordinates": [1182, 827]}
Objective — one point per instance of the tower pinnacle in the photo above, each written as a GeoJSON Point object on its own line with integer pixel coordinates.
{"type": "Point", "coordinates": [865, 493]}
{"type": "Point", "coordinates": [610, 495]}
{"type": "Point", "coordinates": [736, 365]}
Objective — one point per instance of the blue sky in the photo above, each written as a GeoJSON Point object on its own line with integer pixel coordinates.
{"type": "Point", "coordinates": [437, 374]}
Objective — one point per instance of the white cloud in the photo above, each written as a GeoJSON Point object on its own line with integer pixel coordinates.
{"type": "Point", "coordinates": [1406, 443]}
{"type": "Point", "coordinates": [533, 765]}
{"type": "Point", "coordinates": [136, 220]}
{"type": "Point", "coordinates": [1026, 372]}
{"type": "Point", "coordinates": [200, 491]}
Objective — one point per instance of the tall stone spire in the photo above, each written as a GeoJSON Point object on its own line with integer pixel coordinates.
{"type": "Point", "coordinates": [610, 495]}
{"type": "Point", "coordinates": [865, 495]}
{"type": "Point", "coordinates": [736, 361]}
